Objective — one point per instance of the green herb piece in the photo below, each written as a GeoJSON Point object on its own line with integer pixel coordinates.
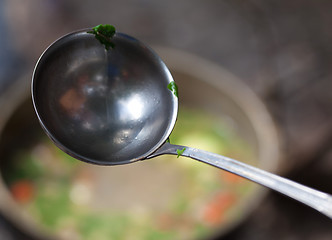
{"type": "Point", "coordinates": [168, 140]}
{"type": "Point", "coordinates": [174, 88]}
{"type": "Point", "coordinates": [180, 152]}
{"type": "Point", "coordinates": [104, 34]}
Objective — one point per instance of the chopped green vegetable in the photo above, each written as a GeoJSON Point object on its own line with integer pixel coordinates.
{"type": "Point", "coordinates": [104, 34]}
{"type": "Point", "coordinates": [168, 140]}
{"type": "Point", "coordinates": [57, 191]}
{"type": "Point", "coordinates": [174, 88]}
{"type": "Point", "coordinates": [180, 152]}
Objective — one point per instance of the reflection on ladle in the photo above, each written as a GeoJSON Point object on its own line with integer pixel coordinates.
{"type": "Point", "coordinates": [130, 115]}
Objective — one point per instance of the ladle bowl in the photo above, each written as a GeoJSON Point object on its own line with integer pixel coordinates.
{"type": "Point", "coordinates": [114, 107]}
{"type": "Point", "coordinates": [104, 107]}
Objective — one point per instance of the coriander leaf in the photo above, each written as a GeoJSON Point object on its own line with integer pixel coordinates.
{"type": "Point", "coordinates": [180, 152]}
{"type": "Point", "coordinates": [104, 34]}
{"type": "Point", "coordinates": [168, 140]}
{"type": "Point", "coordinates": [174, 88]}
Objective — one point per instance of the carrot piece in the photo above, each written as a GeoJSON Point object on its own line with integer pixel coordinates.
{"type": "Point", "coordinates": [231, 177]}
{"type": "Point", "coordinates": [22, 191]}
{"type": "Point", "coordinates": [214, 212]}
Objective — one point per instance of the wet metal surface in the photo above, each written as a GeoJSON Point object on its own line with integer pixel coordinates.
{"type": "Point", "coordinates": [104, 107]}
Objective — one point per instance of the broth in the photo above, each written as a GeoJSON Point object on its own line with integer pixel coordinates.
{"type": "Point", "coordinates": [164, 198]}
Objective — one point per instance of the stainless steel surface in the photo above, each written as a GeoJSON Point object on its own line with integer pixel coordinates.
{"type": "Point", "coordinates": [104, 107]}
{"type": "Point", "coordinates": [114, 107]}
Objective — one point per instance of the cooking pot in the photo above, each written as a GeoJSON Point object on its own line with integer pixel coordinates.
{"type": "Point", "coordinates": [202, 85]}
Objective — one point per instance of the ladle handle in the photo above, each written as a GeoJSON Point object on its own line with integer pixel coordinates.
{"type": "Point", "coordinates": [311, 197]}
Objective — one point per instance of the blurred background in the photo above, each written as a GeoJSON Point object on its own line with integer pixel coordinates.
{"type": "Point", "coordinates": [280, 49]}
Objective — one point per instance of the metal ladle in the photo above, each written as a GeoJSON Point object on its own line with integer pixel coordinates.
{"type": "Point", "coordinates": [114, 107]}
